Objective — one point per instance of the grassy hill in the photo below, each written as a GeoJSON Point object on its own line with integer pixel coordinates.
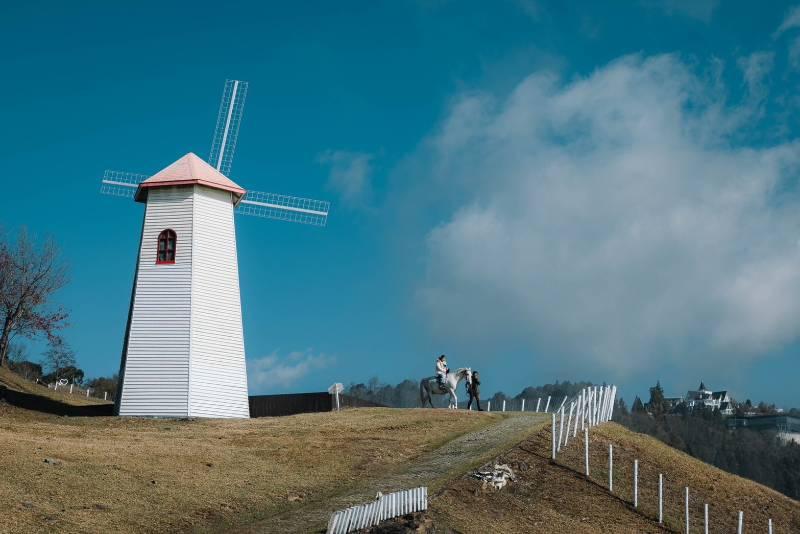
{"type": "Point", "coordinates": [13, 381]}
{"type": "Point", "coordinates": [111, 474]}
{"type": "Point", "coordinates": [77, 474]}
{"type": "Point", "coordinates": [557, 497]}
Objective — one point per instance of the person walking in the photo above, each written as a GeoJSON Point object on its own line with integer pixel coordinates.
{"type": "Point", "coordinates": [474, 391]}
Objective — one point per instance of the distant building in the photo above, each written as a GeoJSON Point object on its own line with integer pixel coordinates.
{"type": "Point", "coordinates": [786, 426]}
{"type": "Point", "coordinates": [716, 400]}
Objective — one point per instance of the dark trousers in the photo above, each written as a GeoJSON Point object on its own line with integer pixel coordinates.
{"type": "Point", "coordinates": [477, 402]}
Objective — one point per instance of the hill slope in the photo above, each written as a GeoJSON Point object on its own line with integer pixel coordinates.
{"type": "Point", "coordinates": [15, 382]}
{"type": "Point", "coordinates": [557, 497]}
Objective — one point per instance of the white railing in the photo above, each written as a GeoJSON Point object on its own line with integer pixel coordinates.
{"type": "Point", "coordinates": [384, 507]}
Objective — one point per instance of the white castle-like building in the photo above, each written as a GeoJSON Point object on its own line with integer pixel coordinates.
{"type": "Point", "coordinates": [183, 354]}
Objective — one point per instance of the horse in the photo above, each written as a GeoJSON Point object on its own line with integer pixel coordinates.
{"type": "Point", "coordinates": [429, 387]}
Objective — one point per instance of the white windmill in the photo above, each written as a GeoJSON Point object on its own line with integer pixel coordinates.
{"type": "Point", "coordinates": [183, 353]}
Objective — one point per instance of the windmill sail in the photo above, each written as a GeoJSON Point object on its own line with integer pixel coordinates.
{"type": "Point", "coordinates": [120, 183]}
{"type": "Point", "coordinates": [284, 208]}
{"type": "Point", "coordinates": [226, 133]}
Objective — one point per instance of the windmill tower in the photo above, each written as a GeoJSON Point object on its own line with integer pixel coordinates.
{"type": "Point", "coordinates": [183, 353]}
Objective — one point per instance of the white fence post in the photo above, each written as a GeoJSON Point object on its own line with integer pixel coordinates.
{"type": "Point", "coordinates": [705, 518]}
{"type": "Point", "coordinates": [569, 421]}
{"type": "Point", "coordinates": [613, 400]}
{"type": "Point", "coordinates": [547, 406]}
{"type": "Point", "coordinates": [740, 529]}
{"type": "Point", "coordinates": [769, 526]}
{"type": "Point", "coordinates": [105, 395]}
{"type": "Point", "coordinates": [488, 406]}
{"type": "Point", "coordinates": [554, 436]}
{"type": "Point", "coordinates": [686, 508]}
{"type": "Point", "coordinates": [636, 483]}
{"type": "Point", "coordinates": [538, 403]}
{"type": "Point", "coordinates": [577, 412]}
{"type": "Point", "coordinates": [504, 405]}
{"type": "Point", "coordinates": [87, 393]}
{"type": "Point", "coordinates": [523, 406]}
{"type": "Point", "coordinates": [611, 468]}
{"type": "Point", "coordinates": [660, 499]}
{"type": "Point", "coordinates": [583, 408]}
{"type": "Point", "coordinates": [586, 449]}
{"type": "Point", "coordinates": [561, 429]}
{"type": "Point", "coordinates": [70, 388]}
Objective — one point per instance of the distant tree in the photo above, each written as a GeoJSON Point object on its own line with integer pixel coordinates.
{"type": "Point", "coordinates": [28, 279]}
{"type": "Point", "coordinates": [637, 406]}
{"type": "Point", "coordinates": [59, 359]}
{"type": "Point", "coordinates": [656, 404]}
{"type": "Point", "coordinates": [104, 383]}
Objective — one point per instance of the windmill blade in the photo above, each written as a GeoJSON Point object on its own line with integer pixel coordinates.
{"type": "Point", "coordinates": [228, 120]}
{"type": "Point", "coordinates": [121, 184]}
{"type": "Point", "coordinates": [285, 208]}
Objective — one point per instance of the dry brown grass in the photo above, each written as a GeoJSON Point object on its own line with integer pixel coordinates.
{"type": "Point", "coordinates": [14, 381]}
{"type": "Point", "coordinates": [557, 498]}
{"type": "Point", "coordinates": [148, 475]}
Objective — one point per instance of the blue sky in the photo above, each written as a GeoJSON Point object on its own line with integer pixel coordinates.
{"type": "Point", "coordinates": [541, 191]}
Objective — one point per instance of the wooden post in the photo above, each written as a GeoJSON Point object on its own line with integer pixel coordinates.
{"type": "Point", "coordinates": [538, 403]}
{"type": "Point", "coordinates": [611, 468]}
{"type": "Point", "coordinates": [686, 507]}
{"type": "Point", "coordinates": [636, 483]}
{"type": "Point", "coordinates": [660, 499]}
{"type": "Point", "coordinates": [569, 421]}
{"type": "Point", "coordinates": [523, 406]}
{"type": "Point", "coordinates": [586, 449]}
{"type": "Point", "coordinates": [554, 437]}
{"type": "Point", "coordinates": [583, 409]}
{"type": "Point", "coordinates": [547, 406]}
{"type": "Point", "coordinates": [740, 529]}
{"type": "Point", "coordinates": [705, 518]}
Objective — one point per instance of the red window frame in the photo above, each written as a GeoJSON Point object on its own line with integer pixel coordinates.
{"type": "Point", "coordinates": [166, 247]}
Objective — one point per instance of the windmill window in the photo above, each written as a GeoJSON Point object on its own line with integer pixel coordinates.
{"type": "Point", "coordinates": [166, 247]}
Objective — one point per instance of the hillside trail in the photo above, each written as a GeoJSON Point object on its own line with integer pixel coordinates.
{"type": "Point", "coordinates": [431, 469]}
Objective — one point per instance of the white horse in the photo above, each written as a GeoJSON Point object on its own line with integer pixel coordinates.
{"type": "Point", "coordinates": [429, 387]}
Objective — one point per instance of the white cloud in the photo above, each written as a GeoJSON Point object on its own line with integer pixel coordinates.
{"type": "Point", "coordinates": [790, 21]}
{"type": "Point", "coordinates": [613, 220]}
{"type": "Point", "coordinates": [350, 174]}
{"type": "Point", "coordinates": [275, 370]}
{"type": "Point", "coordinates": [755, 68]}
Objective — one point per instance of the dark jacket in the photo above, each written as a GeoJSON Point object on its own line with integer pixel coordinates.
{"type": "Point", "coordinates": [476, 385]}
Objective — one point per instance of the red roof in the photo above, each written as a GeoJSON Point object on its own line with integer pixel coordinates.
{"type": "Point", "coordinates": [189, 170]}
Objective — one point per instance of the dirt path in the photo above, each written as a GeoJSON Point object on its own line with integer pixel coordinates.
{"type": "Point", "coordinates": [432, 469]}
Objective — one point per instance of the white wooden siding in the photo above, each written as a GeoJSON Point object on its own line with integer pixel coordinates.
{"type": "Point", "coordinates": [185, 353]}
{"type": "Point", "coordinates": [217, 375]}
{"type": "Point", "coordinates": [156, 374]}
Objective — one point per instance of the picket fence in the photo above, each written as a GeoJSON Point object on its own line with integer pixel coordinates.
{"type": "Point", "coordinates": [384, 507]}
{"type": "Point", "coordinates": [594, 406]}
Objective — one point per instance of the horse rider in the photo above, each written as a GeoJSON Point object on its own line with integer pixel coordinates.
{"type": "Point", "coordinates": [441, 370]}
{"type": "Point", "coordinates": [474, 391]}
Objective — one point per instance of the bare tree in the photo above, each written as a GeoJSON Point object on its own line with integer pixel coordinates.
{"type": "Point", "coordinates": [58, 358]}
{"type": "Point", "coordinates": [28, 279]}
